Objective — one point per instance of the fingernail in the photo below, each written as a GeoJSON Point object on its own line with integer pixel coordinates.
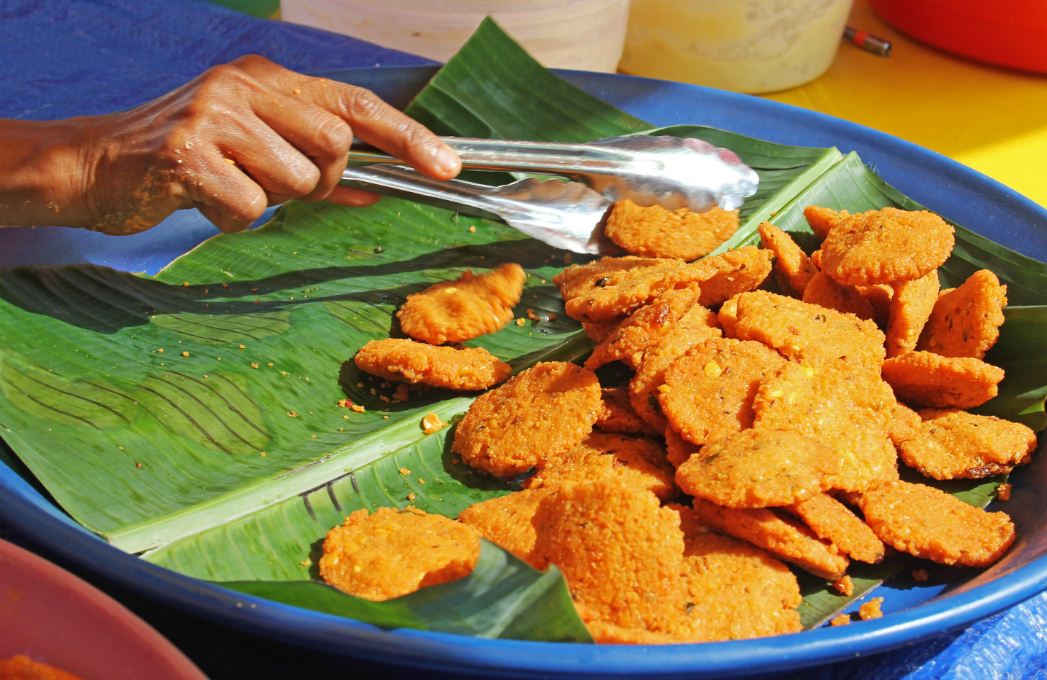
{"type": "Point", "coordinates": [447, 160]}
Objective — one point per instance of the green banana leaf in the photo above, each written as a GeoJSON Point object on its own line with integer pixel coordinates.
{"type": "Point", "coordinates": [202, 405]}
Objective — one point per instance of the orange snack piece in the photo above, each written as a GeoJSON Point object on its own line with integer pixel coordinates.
{"type": "Point", "coordinates": [910, 308]}
{"type": "Point", "coordinates": [727, 274]}
{"type": "Point", "coordinates": [758, 469]}
{"type": "Point", "coordinates": [629, 291]}
{"type": "Point", "coordinates": [822, 220]}
{"type": "Point", "coordinates": [540, 413]}
{"type": "Point", "coordinates": [927, 379]}
{"type": "Point", "coordinates": [21, 667]}
{"type": "Point", "coordinates": [708, 392]}
{"type": "Point", "coordinates": [598, 331]}
{"type": "Point", "coordinates": [879, 296]}
{"type": "Point", "coordinates": [783, 537]}
{"type": "Point", "coordinates": [654, 231]}
{"type": "Point", "coordinates": [453, 368]}
{"type": "Point", "coordinates": [471, 306]}
{"type": "Point", "coordinates": [832, 521]}
{"type": "Point", "coordinates": [678, 449]}
{"type": "Point", "coordinates": [618, 414]}
{"type": "Point", "coordinates": [792, 266]}
{"type": "Point", "coordinates": [905, 423]}
{"type": "Point", "coordinates": [886, 245]}
{"type": "Point", "coordinates": [840, 620]}
{"type": "Point", "coordinates": [579, 279]}
{"type": "Point", "coordinates": [871, 609]}
{"type": "Point", "coordinates": [643, 328]}
{"type": "Point", "coordinates": [928, 523]}
{"type": "Point", "coordinates": [822, 290]}
{"type": "Point", "coordinates": [506, 522]}
{"type": "Point", "coordinates": [638, 461]}
{"type": "Point", "coordinates": [965, 321]}
{"type": "Point", "coordinates": [394, 552]}
{"type": "Point", "coordinates": [952, 444]}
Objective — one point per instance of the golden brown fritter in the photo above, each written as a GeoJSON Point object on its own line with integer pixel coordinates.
{"type": "Point", "coordinates": [885, 246]}
{"type": "Point", "coordinates": [727, 274]}
{"type": "Point", "coordinates": [783, 537]}
{"type": "Point", "coordinates": [792, 266]}
{"type": "Point", "coordinates": [708, 392]}
{"type": "Point", "coordinates": [394, 552]}
{"type": "Point", "coordinates": [467, 368]}
{"type": "Point", "coordinates": [910, 308]}
{"type": "Point", "coordinates": [928, 523]}
{"type": "Point", "coordinates": [822, 290]}
{"type": "Point", "coordinates": [758, 468]}
{"type": "Point", "coordinates": [506, 522]}
{"type": "Point", "coordinates": [639, 461]}
{"type": "Point", "coordinates": [832, 521]}
{"type": "Point", "coordinates": [579, 279]}
{"type": "Point", "coordinates": [618, 414]}
{"type": "Point", "coordinates": [905, 423]}
{"type": "Point", "coordinates": [951, 444]}
{"type": "Point", "coordinates": [456, 311]}
{"type": "Point", "coordinates": [629, 291]}
{"type": "Point", "coordinates": [538, 414]}
{"type": "Point", "coordinates": [965, 321]}
{"type": "Point", "coordinates": [654, 231]}
{"type": "Point", "coordinates": [643, 328]}
{"type": "Point", "coordinates": [598, 331]}
{"type": "Point", "coordinates": [930, 380]}
{"type": "Point", "coordinates": [821, 220]}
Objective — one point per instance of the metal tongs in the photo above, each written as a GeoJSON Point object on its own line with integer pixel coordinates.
{"type": "Point", "coordinates": [673, 172]}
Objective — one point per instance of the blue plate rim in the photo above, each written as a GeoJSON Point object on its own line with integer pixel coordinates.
{"type": "Point", "coordinates": [310, 629]}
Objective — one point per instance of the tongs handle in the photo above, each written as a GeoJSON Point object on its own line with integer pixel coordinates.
{"type": "Point", "coordinates": [455, 192]}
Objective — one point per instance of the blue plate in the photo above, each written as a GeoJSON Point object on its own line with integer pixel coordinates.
{"type": "Point", "coordinates": [912, 613]}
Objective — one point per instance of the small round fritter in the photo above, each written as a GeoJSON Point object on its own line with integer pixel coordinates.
{"type": "Point", "coordinates": [618, 414]}
{"type": "Point", "coordinates": [471, 306]}
{"type": "Point", "coordinates": [695, 326]}
{"type": "Point", "coordinates": [928, 523]}
{"type": "Point", "coordinates": [885, 246]}
{"type": "Point", "coordinates": [910, 308]}
{"type": "Point", "coordinates": [727, 274]}
{"type": "Point", "coordinates": [965, 321]}
{"type": "Point", "coordinates": [783, 537]}
{"type": "Point", "coordinates": [394, 552]}
{"type": "Point", "coordinates": [579, 279]}
{"type": "Point", "coordinates": [758, 468]}
{"type": "Point", "coordinates": [926, 379]}
{"type": "Point", "coordinates": [832, 521]}
{"type": "Point", "coordinates": [538, 414]}
{"type": "Point", "coordinates": [620, 551]}
{"type": "Point", "coordinates": [822, 290]}
{"type": "Point", "coordinates": [453, 368]}
{"type": "Point", "coordinates": [677, 449]}
{"type": "Point", "coordinates": [628, 292]}
{"type": "Point", "coordinates": [598, 331]}
{"type": "Point", "coordinates": [822, 220]}
{"type": "Point", "coordinates": [952, 444]}
{"type": "Point", "coordinates": [792, 266]}
{"type": "Point", "coordinates": [639, 461]}
{"type": "Point", "coordinates": [506, 522]}
{"type": "Point", "coordinates": [643, 328]}
{"type": "Point", "coordinates": [848, 412]}
{"type": "Point", "coordinates": [657, 232]}
{"type": "Point", "coordinates": [808, 333]}
{"type": "Point", "coordinates": [708, 392]}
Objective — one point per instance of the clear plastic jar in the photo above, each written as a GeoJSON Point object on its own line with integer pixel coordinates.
{"type": "Point", "coordinates": [743, 45]}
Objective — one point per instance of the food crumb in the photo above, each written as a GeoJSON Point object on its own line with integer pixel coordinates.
{"type": "Point", "coordinates": [185, 354]}
{"type": "Point", "coordinates": [263, 454]}
{"type": "Point", "coordinates": [844, 586]}
{"type": "Point", "coordinates": [269, 364]}
{"type": "Point", "coordinates": [357, 408]}
{"type": "Point", "coordinates": [344, 403]}
{"type": "Point", "coordinates": [520, 322]}
{"type": "Point", "coordinates": [404, 471]}
{"type": "Point", "coordinates": [385, 417]}
{"type": "Point", "coordinates": [254, 364]}
{"type": "Point", "coordinates": [871, 609]}
{"type": "Point", "coordinates": [241, 346]}
{"type": "Point", "coordinates": [292, 414]}
{"type": "Point", "coordinates": [1003, 492]}
{"type": "Point", "coordinates": [306, 563]}
{"type": "Point", "coordinates": [138, 466]}
{"type": "Point", "coordinates": [840, 620]}
{"type": "Point", "coordinates": [411, 496]}
{"type": "Point", "coordinates": [159, 350]}
{"type": "Point", "coordinates": [920, 575]}
{"type": "Point", "coordinates": [472, 228]}
{"type": "Point", "coordinates": [432, 423]}
{"type": "Point", "coordinates": [421, 480]}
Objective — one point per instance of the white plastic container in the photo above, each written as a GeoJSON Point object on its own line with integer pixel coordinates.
{"type": "Point", "coordinates": [743, 45]}
{"type": "Point", "coordinates": [576, 34]}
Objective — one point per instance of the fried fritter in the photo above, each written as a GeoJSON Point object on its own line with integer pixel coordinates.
{"type": "Point", "coordinates": [453, 368]}
{"type": "Point", "coordinates": [394, 552]}
{"type": "Point", "coordinates": [629, 291]}
{"type": "Point", "coordinates": [598, 331]}
{"type": "Point", "coordinates": [905, 423]}
{"type": "Point", "coordinates": [783, 537]}
{"type": "Point", "coordinates": [758, 468]}
{"type": "Point", "coordinates": [885, 246]}
{"type": "Point", "coordinates": [639, 461]}
{"type": "Point", "coordinates": [928, 523]}
{"type": "Point", "coordinates": [579, 279]}
{"type": "Point", "coordinates": [821, 220]}
{"type": "Point", "coordinates": [471, 306]}
{"type": "Point", "coordinates": [910, 308]}
{"type": "Point", "coordinates": [708, 392]}
{"type": "Point", "coordinates": [618, 414]}
{"type": "Point", "coordinates": [792, 266]}
{"type": "Point", "coordinates": [832, 521]}
{"type": "Point", "coordinates": [952, 444]}
{"type": "Point", "coordinates": [727, 274]}
{"type": "Point", "coordinates": [965, 321]}
{"type": "Point", "coordinates": [643, 328]}
{"type": "Point", "coordinates": [506, 522]}
{"type": "Point", "coordinates": [540, 413]}
{"type": "Point", "coordinates": [654, 231]}
{"type": "Point", "coordinates": [822, 290]}
{"type": "Point", "coordinates": [931, 380]}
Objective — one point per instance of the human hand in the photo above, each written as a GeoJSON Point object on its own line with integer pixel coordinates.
{"type": "Point", "coordinates": [238, 138]}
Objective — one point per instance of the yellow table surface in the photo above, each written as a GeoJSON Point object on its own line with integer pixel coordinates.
{"type": "Point", "coordinates": [991, 119]}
